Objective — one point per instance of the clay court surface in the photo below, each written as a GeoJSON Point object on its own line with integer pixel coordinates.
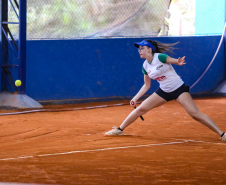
{"type": "Point", "coordinates": [69, 147]}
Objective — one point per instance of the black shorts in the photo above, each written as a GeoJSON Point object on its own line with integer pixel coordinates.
{"type": "Point", "coordinates": [172, 95]}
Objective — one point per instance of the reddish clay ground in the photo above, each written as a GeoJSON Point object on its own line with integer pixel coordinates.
{"type": "Point", "coordinates": [150, 160]}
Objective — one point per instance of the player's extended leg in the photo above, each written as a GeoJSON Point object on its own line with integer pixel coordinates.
{"type": "Point", "coordinates": [187, 102]}
{"type": "Point", "coordinates": [151, 102]}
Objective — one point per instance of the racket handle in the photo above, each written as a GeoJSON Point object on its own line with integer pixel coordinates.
{"type": "Point", "coordinates": [141, 117]}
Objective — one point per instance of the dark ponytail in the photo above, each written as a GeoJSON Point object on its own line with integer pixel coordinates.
{"type": "Point", "coordinates": [162, 47]}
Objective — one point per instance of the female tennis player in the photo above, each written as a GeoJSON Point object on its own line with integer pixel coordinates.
{"type": "Point", "coordinates": [157, 66]}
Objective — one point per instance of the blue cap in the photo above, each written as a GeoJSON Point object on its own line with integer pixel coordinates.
{"type": "Point", "coordinates": [144, 43]}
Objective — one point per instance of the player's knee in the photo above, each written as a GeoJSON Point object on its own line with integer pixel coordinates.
{"type": "Point", "coordinates": [141, 110]}
{"type": "Point", "coordinates": [198, 116]}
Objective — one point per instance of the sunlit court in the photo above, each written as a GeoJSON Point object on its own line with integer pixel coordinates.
{"type": "Point", "coordinates": [112, 92]}
{"type": "Point", "coordinates": [68, 147]}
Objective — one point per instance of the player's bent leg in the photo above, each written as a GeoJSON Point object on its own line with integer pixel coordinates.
{"type": "Point", "coordinates": [151, 102]}
{"type": "Point", "coordinates": [187, 102]}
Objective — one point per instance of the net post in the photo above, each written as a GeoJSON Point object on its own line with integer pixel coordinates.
{"type": "Point", "coordinates": [4, 42]}
{"type": "Point", "coordinates": [22, 45]}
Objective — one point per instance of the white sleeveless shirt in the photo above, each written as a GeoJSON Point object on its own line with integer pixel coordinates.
{"type": "Point", "coordinates": [164, 73]}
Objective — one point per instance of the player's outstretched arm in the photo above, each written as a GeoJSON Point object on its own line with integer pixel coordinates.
{"type": "Point", "coordinates": [142, 91]}
{"type": "Point", "coordinates": [179, 61]}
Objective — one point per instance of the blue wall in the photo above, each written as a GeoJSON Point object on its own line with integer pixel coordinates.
{"type": "Point", "coordinates": [99, 68]}
{"type": "Point", "coordinates": [0, 60]}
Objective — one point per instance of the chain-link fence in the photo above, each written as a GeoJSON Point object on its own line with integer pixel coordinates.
{"type": "Point", "coordinates": [73, 19]}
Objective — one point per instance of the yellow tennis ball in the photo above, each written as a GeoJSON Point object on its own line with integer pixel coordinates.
{"type": "Point", "coordinates": [18, 83]}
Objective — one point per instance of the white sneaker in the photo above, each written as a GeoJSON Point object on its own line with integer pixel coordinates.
{"type": "Point", "coordinates": [223, 137]}
{"type": "Point", "coordinates": [114, 132]}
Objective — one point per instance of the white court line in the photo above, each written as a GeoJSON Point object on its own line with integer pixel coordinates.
{"type": "Point", "coordinates": [114, 148]}
{"type": "Point", "coordinates": [202, 142]}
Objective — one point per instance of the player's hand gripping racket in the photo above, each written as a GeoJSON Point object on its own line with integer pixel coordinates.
{"type": "Point", "coordinates": [141, 117]}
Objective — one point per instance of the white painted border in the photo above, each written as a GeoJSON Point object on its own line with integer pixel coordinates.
{"type": "Point", "coordinates": [114, 148]}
